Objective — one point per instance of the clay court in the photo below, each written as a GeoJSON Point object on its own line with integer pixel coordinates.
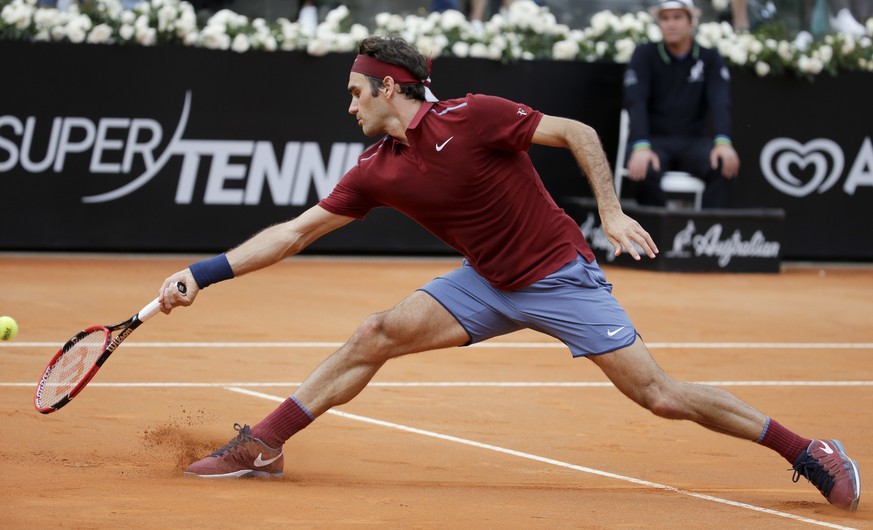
{"type": "Point", "coordinates": [513, 433]}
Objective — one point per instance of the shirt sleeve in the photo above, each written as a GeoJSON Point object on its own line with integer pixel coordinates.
{"type": "Point", "coordinates": [503, 124]}
{"type": "Point", "coordinates": [637, 87]}
{"type": "Point", "coordinates": [718, 95]}
{"type": "Point", "coordinates": [348, 198]}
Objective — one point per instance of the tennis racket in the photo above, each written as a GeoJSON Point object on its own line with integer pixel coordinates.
{"type": "Point", "coordinates": [78, 361]}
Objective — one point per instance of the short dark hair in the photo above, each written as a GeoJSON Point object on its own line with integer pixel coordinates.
{"type": "Point", "coordinates": [395, 50]}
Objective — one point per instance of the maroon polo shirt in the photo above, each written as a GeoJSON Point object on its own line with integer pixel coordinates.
{"type": "Point", "coordinates": [467, 178]}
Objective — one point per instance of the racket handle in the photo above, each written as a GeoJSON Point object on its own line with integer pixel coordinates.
{"type": "Point", "coordinates": [154, 307]}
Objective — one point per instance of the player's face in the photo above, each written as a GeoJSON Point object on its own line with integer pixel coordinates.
{"type": "Point", "coordinates": [370, 111]}
{"type": "Point", "coordinates": [676, 26]}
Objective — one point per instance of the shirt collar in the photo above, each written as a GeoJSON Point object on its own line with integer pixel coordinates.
{"type": "Point", "coordinates": [425, 107]}
{"type": "Point", "coordinates": [667, 58]}
{"type": "Point", "coordinates": [396, 145]}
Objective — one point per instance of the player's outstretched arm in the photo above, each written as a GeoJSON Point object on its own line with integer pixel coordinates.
{"type": "Point", "coordinates": [621, 230]}
{"type": "Point", "coordinates": [265, 248]}
{"type": "Point", "coordinates": [279, 241]}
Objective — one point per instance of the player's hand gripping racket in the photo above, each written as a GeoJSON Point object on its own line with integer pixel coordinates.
{"type": "Point", "coordinates": [78, 360]}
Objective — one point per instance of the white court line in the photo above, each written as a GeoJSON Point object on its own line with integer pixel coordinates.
{"type": "Point", "coordinates": [453, 384]}
{"type": "Point", "coordinates": [553, 462]}
{"type": "Point", "coordinates": [490, 344]}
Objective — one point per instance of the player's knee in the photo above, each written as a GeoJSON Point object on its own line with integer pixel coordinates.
{"type": "Point", "coordinates": [664, 403]}
{"type": "Point", "coordinates": [370, 342]}
{"type": "Point", "coordinates": [665, 408]}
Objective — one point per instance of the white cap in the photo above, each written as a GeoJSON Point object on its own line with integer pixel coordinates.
{"type": "Point", "coordinates": [687, 5]}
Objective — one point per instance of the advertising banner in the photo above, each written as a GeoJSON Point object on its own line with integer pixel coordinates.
{"type": "Point", "coordinates": [806, 147]}
{"type": "Point", "coordinates": [692, 241]}
{"type": "Point", "coordinates": [173, 149]}
{"type": "Point", "coordinates": [165, 149]}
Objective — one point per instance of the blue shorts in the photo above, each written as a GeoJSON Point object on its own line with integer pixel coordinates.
{"type": "Point", "coordinates": [575, 305]}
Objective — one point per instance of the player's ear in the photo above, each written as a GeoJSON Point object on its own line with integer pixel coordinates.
{"type": "Point", "coordinates": [387, 85]}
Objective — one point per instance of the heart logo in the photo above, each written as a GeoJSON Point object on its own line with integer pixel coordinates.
{"type": "Point", "coordinates": [798, 169]}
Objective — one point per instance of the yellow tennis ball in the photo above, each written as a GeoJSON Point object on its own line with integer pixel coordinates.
{"type": "Point", "coordinates": [8, 328]}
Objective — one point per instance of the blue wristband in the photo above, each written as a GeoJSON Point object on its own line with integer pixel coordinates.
{"type": "Point", "coordinates": [212, 270]}
{"type": "Point", "coordinates": [639, 145]}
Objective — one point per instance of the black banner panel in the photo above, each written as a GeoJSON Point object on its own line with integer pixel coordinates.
{"type": "Point", "coordinates": [740, 240]}
{"type": "Point", "coordinates": [806, 148]}
{"type": "Point", "coordinates": [173, 149]}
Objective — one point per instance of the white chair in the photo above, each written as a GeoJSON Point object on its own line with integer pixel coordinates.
{"type": "Point", "coordinates": [672, 182]}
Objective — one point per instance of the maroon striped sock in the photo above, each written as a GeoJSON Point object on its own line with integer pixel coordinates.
{"type": "Point", "coordinates": [283, 423]}
{"type": "Point", "coordinates": [783, 441]}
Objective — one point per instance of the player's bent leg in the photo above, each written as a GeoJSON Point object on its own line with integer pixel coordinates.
{"type": "Point", "coordinates": [636, 374]}
{"type": "Point", "coordinates": [418, 323]}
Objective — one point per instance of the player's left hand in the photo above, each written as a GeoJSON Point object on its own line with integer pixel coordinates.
{"type": "Point", "coordinates": [622, 232]}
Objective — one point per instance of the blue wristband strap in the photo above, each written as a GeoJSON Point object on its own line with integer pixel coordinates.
{"type": "Point", "coordinates": [639, 145]}
{"type": "Point", "coordinates": [212, 270]}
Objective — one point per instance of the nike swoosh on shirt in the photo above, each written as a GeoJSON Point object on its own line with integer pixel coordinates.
{"type": "Point", "coordinates": [610, 333]}
{"type": "Point", "coordinates": [439, 147]}
{"type": "Point", "coordinates": [259, 462]}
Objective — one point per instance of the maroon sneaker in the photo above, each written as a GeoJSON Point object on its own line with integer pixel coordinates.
{"type": "Point", "coordinates": [826, 465]}
{"type": "Point", "coordinates": [244, 456]}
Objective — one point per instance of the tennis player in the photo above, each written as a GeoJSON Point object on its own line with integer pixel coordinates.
{"type": "Point", "coordinates": [460, 168]}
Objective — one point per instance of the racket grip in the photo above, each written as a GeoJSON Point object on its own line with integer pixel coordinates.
{"type": "Point", "coordinates": [154, 307]}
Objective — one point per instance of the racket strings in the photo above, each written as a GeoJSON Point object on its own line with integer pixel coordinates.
{"type": "Point", "coordinates": [73, 366]}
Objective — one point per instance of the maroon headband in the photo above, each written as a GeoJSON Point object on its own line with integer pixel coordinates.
{"type": "Point", "coordinates": [364, 64]}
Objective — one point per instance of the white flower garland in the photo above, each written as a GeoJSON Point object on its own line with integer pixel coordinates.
{"type": "Point", "coordinates": [526, 31]}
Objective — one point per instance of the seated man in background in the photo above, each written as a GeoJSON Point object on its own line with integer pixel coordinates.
{"type": "Point", "coordinates": [671, 89]}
